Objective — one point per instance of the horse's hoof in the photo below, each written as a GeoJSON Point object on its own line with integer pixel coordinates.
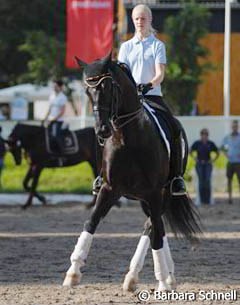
{"type": "Point", "coordinates": [171, 281]}
{"type": "Point", "coordinates": [72, 279]}
{"type": "Point", "coordinates": [118, 203]}
{"type": "Point", "coordinates": [130, 282]}
{"type": "Point", "coordinates": [25, 206]}
{"type": "Point", "coordinates": [163, 286]}
{"type": "Point", "coordinates": [89, 205]}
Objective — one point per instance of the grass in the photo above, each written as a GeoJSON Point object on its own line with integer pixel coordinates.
{"type": "Point", "coordinates": [74, 179]}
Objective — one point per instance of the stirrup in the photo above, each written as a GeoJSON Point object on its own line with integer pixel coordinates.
{"type": "Point", "coordinates": [181, 192]}
{"type": "Point", "coordinates": [97, 183]}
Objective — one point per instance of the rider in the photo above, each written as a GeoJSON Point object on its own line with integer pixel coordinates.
{"type": "Point", "coordinates": [56, 111]}
{"type": "Point", "coordinates": [146, 57]}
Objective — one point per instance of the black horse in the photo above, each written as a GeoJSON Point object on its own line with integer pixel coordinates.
{"type": "Point", "coordinates": [36, 143]}
{"type": "Point", "coordinates": [135, 165]}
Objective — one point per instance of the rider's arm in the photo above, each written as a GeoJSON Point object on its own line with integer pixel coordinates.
{"type": "Point", "coordinates": [61, 113]}
{"type": "Point", "coordinates": [47, 115]}
{"type": "Point", "coordinates": [160, 60]}
{"type": "Point", "coordinates": [159, 75]}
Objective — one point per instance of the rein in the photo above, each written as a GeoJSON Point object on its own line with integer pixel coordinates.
{"type": "Point", "coordinates": [115, 118]}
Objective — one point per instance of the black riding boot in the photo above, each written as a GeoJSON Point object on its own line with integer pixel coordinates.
{"type": "Point", "coordinates": [177, 186]}
{"type": "Point", "coordinates": [176, 163]}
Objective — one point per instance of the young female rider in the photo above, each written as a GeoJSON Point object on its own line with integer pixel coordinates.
{"type": "Point", "coordinates": [145, 55]}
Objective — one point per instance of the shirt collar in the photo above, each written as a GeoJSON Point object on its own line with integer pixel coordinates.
{"type": "Point", "coordinates": [149, 38]}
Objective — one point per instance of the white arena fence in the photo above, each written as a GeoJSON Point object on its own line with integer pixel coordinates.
{"type": "Point", "coordinates": [218, 127]}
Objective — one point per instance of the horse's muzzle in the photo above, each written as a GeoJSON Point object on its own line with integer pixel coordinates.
{"type": "Point", "coordinates": [104, 131]}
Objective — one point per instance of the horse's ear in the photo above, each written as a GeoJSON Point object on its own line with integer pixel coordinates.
{"type": "Point", "coordinates": [108, 58]}
{"type": "Point", "coordinates": [81, 63]}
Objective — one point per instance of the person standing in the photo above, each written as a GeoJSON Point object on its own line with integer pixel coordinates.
{"type": "Point", "coordinates": [231, 149]}
{"type": "Point", "coordinates": [204, 162]}
{"type": "Point", "coordinates": [56, 112]}
{"type": "Point", "coordinates": [145, 55]}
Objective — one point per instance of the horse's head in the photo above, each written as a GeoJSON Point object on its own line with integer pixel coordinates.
{"type": "Point", "coordinates": [100, 90]}
{"type": "Point", "coordinates": [15, 145]}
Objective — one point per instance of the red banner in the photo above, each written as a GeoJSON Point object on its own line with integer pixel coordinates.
{"type": "Point", "coordinates": [89, 30]}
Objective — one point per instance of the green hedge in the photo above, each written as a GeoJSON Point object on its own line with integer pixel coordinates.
{"type": "Point", "coordinates": [74, 179]}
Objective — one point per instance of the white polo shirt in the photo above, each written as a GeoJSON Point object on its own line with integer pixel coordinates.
{"type": "Point", "coordinates": [57, 101]}
{"type": "Point", "coordinates": [141, 57]}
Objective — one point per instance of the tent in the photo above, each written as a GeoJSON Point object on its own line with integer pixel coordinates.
{"type": "Point", "coordinates": [29, 91]}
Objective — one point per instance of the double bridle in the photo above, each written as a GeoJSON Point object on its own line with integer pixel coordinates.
{"type": "Point", "coordinates": [117, 121]}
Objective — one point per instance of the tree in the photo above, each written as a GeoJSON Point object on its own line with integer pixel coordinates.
{"type": "Point", "coordinates": [21, 20]}
{"type": "Point", "coordinates": [46, 57]}
{"type": "Point", "coordinates": [184, 70]}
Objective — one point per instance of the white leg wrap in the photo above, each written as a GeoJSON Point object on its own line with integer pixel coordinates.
{"type": "Point", "coordinates": [137, 261]}
{"type": "Point", "coordinates": [82, 248]}
{"type": "Point", "coordinates": [160, 265]}
{"type": "Point", "coordinates": [136, 265]}
{"type": "Point", "coordinates": [168, 255]}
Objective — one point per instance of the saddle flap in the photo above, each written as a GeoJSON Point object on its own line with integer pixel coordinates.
{"type": "Point", "coordinates": [64, 143]}
{"type": "Point", "coordinates": [160, 124]}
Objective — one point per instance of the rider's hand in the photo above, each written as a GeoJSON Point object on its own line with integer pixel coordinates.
{"type": "Point", "coordinates": [144, 88]}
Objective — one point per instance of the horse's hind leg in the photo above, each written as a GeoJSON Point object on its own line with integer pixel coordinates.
{"type": "Point", "coordinates": [78, 258]}
{"type": "Point", "coordinates": [163, 263]}
{"type": "Point", "coordinates": [171, 281]}
{"type": "Point", "coordinates": [136, 264]}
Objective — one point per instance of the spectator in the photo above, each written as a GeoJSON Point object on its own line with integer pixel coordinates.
{"type": "Point", "coordinates": [2, 153]}
{"type": "Point", "coordinates": [204, 147]}
{"type": "Point", "coordinates": [231, 148]}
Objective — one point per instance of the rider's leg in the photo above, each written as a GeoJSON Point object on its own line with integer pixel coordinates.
{"type": "Point", "coordinates": [56, 134]}
{"type": "Point", "coordinates": [176, 163]}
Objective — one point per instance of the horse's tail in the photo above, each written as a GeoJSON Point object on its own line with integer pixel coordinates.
{"type": "Point", "coordinates": [181, 215]}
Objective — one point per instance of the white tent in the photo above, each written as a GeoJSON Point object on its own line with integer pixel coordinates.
{"type": "Point", "coordinates": [29, 91]}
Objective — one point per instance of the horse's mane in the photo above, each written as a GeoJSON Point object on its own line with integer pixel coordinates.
{"type": "Point", "coordinates": [125, 68]}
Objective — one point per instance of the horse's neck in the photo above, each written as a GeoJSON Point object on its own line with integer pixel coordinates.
{"type": "Point", "coordinates": [30, 135]}
{"type": "Point", "coordinates": [130, 103]}
{"type": "Point", "coordinates": [128, 93]}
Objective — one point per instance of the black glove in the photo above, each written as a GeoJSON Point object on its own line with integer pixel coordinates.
{"type": "Point", "coordinates": [144, 88]}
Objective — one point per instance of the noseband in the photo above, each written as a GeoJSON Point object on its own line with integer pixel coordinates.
{"type": "Point", "coordinates": [117, 121]}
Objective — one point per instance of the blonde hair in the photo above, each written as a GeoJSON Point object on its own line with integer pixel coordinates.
{"type": "Point", "coordinates": [145, 9]}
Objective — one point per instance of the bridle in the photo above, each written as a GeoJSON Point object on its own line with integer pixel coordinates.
{"type": "Point", "coordinates": [117, 121]}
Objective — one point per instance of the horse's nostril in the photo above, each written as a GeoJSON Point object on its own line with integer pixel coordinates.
{"type": "Point", "coordinates": [104, 131]}
{"type": "Point", "coordinates": [104, 128]}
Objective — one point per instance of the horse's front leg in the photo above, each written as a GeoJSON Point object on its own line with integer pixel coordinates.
{"type": "Point", "coordinates": [34, 174]}
{"type": "Point", "coordinates": [27, 188]}
{"type": "Point", "coordinates": [104, 202]}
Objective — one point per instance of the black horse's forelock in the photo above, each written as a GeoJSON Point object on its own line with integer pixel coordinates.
{"type": "Point", "coordinates": [96, 68]}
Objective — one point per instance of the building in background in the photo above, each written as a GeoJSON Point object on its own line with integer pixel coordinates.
{"type": "Point", "coordinates": [210, 93]}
